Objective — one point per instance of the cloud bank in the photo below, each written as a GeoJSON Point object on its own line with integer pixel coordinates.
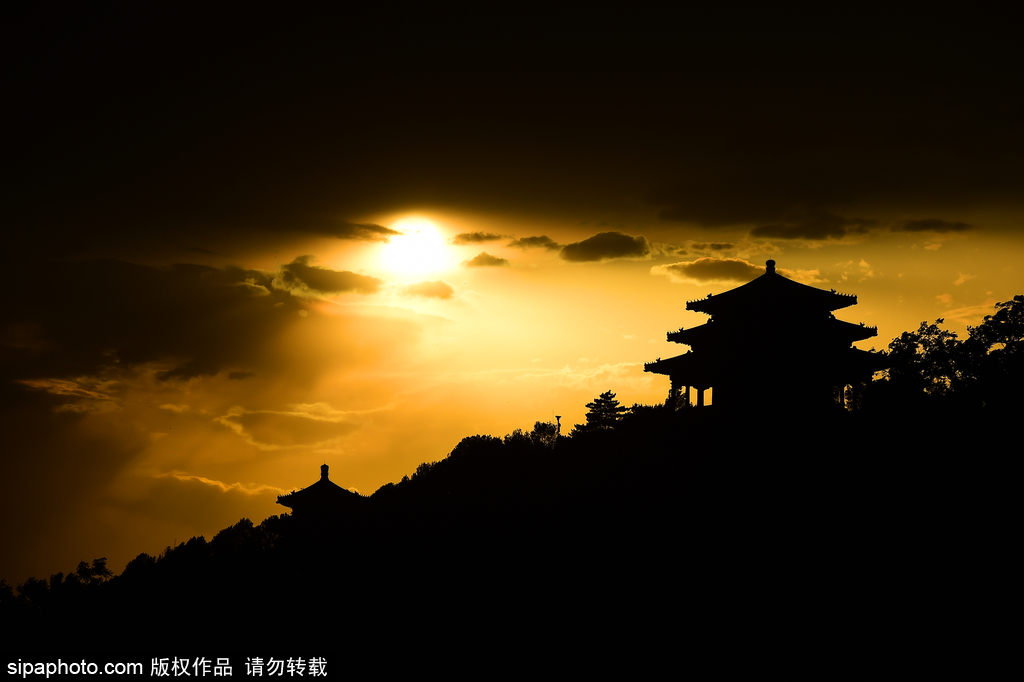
{"type": "Point", "coordinates": [365, 232]}
{"type": "Point", "coordinates": [814, 226]}
{"type": "Point", "coordinates": [486, 260]}
{"type": "Point", "coordinates": [324, 280]}
{"type": "Point", "coordinates": [539, 242]}
{"type": "Point", "coordinates": [475, 238]}
{"type": "Point", "coordinates": [438, 289]}
{"type": "Point", "coordinates": [931, 225]}
{"type": "Point", "coordinates": [706, 270]}
{"type": "Point", "coordinates": [606, 246]}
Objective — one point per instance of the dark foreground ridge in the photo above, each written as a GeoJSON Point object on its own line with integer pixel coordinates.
{"type": "Point", "coordinates": [691, 512]}
{"type": "Point", "coordinates": [658, 523]}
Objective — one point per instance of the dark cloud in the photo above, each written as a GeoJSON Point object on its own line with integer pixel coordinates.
{"type": "Point", "coordinates": [240, 376]}
{"type": "Point", "coordinates": [710, 270]}
{"type": "Point", "coordinates": [89, 317]}
{"type": "Point", "coordinates": [606, 246]}
{"type": "Point", "coordinates": [289, 155]}
{"type": "Point", "coordinates": [713, 246]}
{"type": "Point", "coordinates": [438, 289]}
{"type": "Point", "coordinates": [542, 241]}
{"type": "Point", "coordinates": [895, 161]}
{"type": "Point", "coordinates": [103, 318]}
{"type": "Point", "coordinates": [715, 200]}
{"type": "Point", "coordinates": [475, 238]}
{"type": "Point", "coordinates": [931, 225]}
{"type": "Point", "coordinates": [484, 260]}
{"type": "Point", "coordinates": [814, 226]}
{"type": "Point", "coordinates": [196, 249]}
{"type": "Point", "coordinates": [324, 280]}
{"type": "Point", "coordinates": [204, 366]}
{"type": "Point", "coordinates": [364, 232]}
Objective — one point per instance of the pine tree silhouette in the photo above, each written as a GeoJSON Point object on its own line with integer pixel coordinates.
{"type": "Point", "coordinates": [605, 411]}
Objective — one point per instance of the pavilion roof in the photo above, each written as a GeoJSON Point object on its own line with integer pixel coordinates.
{"type": "Point", "coordinates": [772, 291]}
{"type": "Point", "coordinates": [324, 492]}
{"type": "Point", "coordinates": [865, 361]}
{"type": "Point", "coordinates": [699, 372]}
{"type": "Point", "coordinates": [709, 332]}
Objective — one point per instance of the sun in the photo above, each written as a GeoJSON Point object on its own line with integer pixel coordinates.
{"type": "Point", "coordinates": [419, 251]}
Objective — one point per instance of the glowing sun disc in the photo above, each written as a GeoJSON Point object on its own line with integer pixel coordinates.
{"type": "Point", "coordinates": [419, 250]}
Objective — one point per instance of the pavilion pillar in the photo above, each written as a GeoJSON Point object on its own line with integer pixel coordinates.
{"type": "Point", "coordinates": [700, 397]}
{"type": "Point", "coordinates": [686, 397]}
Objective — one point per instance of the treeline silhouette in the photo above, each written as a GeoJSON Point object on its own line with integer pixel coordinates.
{"type": "Point", "coordinates": [931, 368]}
{"type": "Point", "coordinates": [641, 511]}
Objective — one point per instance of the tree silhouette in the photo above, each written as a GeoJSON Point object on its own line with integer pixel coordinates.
{"type": "Point", "coordinates": [83, 572]}
{"type": "Point", "coordinates": [984, 370]}
{"type": "Point", "coordinates": [99, 569]}
{"type": "Point", "coordinates": [604, 412]}
{"type": "Point", "coordinates": [996, 347]}
{"type": "Point", "coordinates": [1005, 327]}
{"type": "Point", "coordinates": [930, 360]}
{"type": "Point", "coordinates": [544, 434]}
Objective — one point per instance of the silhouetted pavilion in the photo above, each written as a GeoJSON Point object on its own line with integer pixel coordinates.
{"type": "Point", "coordinates": [323, 497]}
{"type": "Point", "coordinates": [771, 342]}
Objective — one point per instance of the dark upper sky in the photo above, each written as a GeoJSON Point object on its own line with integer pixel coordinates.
{"type": "Point", "coordinates": [135, 128]}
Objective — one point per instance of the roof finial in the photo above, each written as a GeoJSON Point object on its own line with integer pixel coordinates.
{"type": "Point", "coordinates": [323, 472]}
{"type": "Point", "coordinates": [769, 266]}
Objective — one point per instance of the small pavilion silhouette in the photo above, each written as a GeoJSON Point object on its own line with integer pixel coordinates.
{"type": "Point", "coordinates": [770, 343]}
{"type": "Point", "coordinates": [323, 497]}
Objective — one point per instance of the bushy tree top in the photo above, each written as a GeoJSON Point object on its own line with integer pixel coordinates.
{"type": "Point", "coordinates": [985, 369]}
{"type": "Point", "coordinates": [1003, 331]}
{"type": "Point", "coordinates": [605, 411]}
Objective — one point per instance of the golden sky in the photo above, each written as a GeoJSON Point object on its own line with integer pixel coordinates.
{"type": "Point", "coordinates": [234, 259]}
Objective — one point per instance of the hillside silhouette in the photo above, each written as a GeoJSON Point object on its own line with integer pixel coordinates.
{"type": "Point", "coordinates": [545, 540]}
